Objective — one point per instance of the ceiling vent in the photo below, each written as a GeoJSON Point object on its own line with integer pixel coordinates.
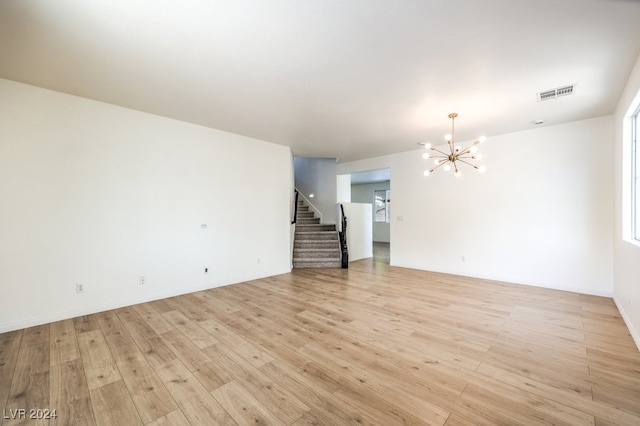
{"type": "Point", "coordinates": [555, 93]}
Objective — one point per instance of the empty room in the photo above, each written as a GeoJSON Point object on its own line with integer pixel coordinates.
{"type": "Point", "coordinates": [320, 212]}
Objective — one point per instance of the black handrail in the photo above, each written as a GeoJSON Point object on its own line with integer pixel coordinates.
{"type": "Point", "coordinates": [295, 208]}
{"type": "Point", "coordinates": [343, 240]}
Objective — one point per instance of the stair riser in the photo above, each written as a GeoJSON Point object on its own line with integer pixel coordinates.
{"type": "Point", "coordinates": [305, 265]}
{"type": "Point", "coordinates": [325, 244]}
{"type": "Point", "coordinates": [314, 228]}
{"type": "Point", "coordinates": [308, 221]}
{"type": "Point", "coordinates": [317, 236]}
{"type": "Point", "coordinates": [333, 254]}
{"type": "Point", "coordinates": [315, 245]}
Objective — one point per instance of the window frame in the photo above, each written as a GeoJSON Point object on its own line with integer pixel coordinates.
{"type": "Point", "coordinates": [635, 175]}
{"type": "Point", "coordinates": [386, 201]}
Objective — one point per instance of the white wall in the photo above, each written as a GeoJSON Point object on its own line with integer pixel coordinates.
{"type": "Point", "coordinates": [363, 193]}
{"type": "Point", "coordinates": [542, 214]}
{"type": "Point", "coordinates": [627, 254]}
{"type": "Point", "coordinates": [359, 237]}
{"type": "Point", "coordinates": [96, 194]}
{"type": "Point", "coordinates": [343, 188]}
{"type": "Point", "coordinates": [318, 176]}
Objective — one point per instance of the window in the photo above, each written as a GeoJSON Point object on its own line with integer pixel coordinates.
{"type": "Point", "coordinates": [635, 175]}
{"type": "Point", "coordinates": [381, 202]}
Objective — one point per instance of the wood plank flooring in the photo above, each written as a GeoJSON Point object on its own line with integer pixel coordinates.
{"type": "Point", "coordinates": [370, 345]}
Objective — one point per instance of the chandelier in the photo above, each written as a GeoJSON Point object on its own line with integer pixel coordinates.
{"type": "Point", "coordinates": [456, 154]}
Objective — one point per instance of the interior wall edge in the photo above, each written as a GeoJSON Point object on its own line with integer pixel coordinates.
{"type": "Point", "coordinates": [627, 320]}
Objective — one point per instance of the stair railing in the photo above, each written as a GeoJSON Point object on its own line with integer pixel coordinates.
{"type": "Point", "coordinates": [295, 208]}
{"type": "Point", "coordinates": [342, 233]}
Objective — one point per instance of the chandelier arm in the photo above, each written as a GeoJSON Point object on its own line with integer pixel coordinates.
{"type": "Point", "coordinates": [443, 153]}
{"type": "Point", "coordinates": [471, 146]}
{"type": "Point", "coordinates": [439, 165]}
{"type": "Point", "coordinates": [466, 151]}
{"type": "Point", "coordinates": [466, 162]}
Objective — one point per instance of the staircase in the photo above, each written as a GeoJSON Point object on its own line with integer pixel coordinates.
{"type": "Point", "coordinates": [315, 245]}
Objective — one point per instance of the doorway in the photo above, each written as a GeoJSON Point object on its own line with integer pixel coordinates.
{"type": "Point", "coordinates": [374, 187]}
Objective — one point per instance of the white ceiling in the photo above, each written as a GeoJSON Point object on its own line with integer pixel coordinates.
{"type": "Point", "coordinates": [330, 78]}
{"type": "Point", "coordinates": [371, 176]}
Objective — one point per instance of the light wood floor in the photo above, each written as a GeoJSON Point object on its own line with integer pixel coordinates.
{"type": "Point", "coordinates": [370, 345]}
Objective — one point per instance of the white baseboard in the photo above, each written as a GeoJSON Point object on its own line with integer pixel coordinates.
{"type": "Point", "coordinates": [94, 309]}
{"type": "Point", "coordinates": [88, 310]}
{"type": "Point", "coordinates": [627, 320]}
{"type": "Point", "coordinates": [572, 289]}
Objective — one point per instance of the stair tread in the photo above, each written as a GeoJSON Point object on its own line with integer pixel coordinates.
{"type": "Point", "coordinates": [324, 265]}
{"type": "Point", "coordinates": [309, 244]}
{"type": "Point", "coordinates": [316, 255]}
{"type": "Point", "coordinates": [316, 259]}
{"type": "Point", "coordinates": [323, 242]}
{"type": "Point", "coordinates": [316, 245]}
{"type": "Point", "coordinates": [315, 249]}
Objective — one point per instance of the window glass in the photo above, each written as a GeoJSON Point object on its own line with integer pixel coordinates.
{"type": "Point", "coordinates": [381, 202]}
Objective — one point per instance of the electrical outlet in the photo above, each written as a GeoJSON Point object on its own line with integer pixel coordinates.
{"type": "Point", "coordinates": [79, 288]}
{"type": "Point", "coordinates": [142, 281]}
{"type": "Point", "coordinates": [206, 270]}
